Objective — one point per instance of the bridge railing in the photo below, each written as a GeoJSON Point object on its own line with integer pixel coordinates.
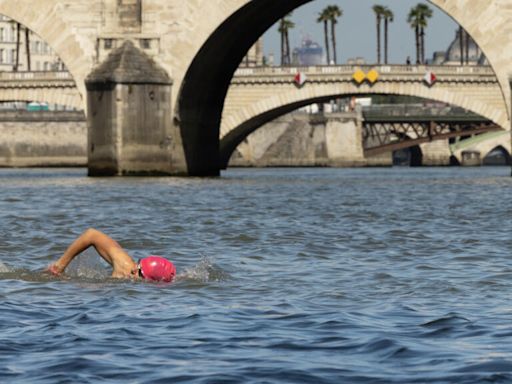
{"type": "Point", "coordinates": [418, 111]}
{"type": "Point", "coordinates": [35, 75]}
{"type": "Point", "coordinates": [384, 69]}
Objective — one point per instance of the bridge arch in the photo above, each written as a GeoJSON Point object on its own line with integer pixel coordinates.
{"type": "Point", "coordinates": [46, 19]}
{"type": "Point", "coordinates": [498, 149]}
{"type": "Point", "coordinates": [205, 84]}
{"type": "Point", "coordinates": [245, 121]}
{"type": "Point", "coordinates": [52, 96]}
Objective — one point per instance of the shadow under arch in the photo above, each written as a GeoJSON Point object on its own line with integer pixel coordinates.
{"type": "Point", "coordinates": [413, 153]}
{"type": "Point", "coordinates": [229, 142]}
{"type": "Point", "coordinates": [205, 85]}
{"type": "Point", "coordinates": [497, 156]}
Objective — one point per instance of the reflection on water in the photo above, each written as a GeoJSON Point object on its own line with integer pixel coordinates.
{"type": "Point", "coordinates": [284, 275]}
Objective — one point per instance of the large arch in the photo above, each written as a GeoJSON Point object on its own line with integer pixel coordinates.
{"type": "Point", "coordinates": [207, 79]}
{"type": "Point", "coordinates": [48, 20]}
{"type": "Point", "coordinates": [205, 84]}
{"type": "Point", "coordinates": [255, 115]}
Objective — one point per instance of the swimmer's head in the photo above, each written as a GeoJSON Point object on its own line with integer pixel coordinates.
{"type": "Point", "coordinates": [156, 268]}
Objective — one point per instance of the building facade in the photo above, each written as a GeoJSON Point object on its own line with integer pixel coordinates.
{"type": "Point", "coordinates": [23, 50]}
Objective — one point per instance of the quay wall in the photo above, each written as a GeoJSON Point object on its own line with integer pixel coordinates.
{"type": "Point", "coordinates": [43, 139]}
{"type": "Point", "coordinates": [59, 139]}
{"type": "Point", "coordinates": [307, 140]}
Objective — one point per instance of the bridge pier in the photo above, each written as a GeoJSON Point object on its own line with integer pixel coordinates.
{"type": "Point", "coordinates": [130, 131]}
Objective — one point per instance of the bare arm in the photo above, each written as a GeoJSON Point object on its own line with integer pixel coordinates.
{"type": "Point", "coordinates": [108, 248]}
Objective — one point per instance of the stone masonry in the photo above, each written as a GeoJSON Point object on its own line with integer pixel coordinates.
{"type": "Point", "coordinates": [200, 43]}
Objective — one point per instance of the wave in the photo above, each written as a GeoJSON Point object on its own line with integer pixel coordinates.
{"type": "Point", "coordinates": [203, 272]}
{"type": "Point", "coordinates": [4, 268]}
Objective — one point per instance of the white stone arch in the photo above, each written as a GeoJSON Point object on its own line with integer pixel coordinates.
{"type": "Point", "coordinates": [244, 121]}
{"type": "Point", "coordinates": [308, 95]}
{"type": "Point", "coordinates": [48, 20]}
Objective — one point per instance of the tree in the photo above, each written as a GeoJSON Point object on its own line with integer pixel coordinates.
{"type": "Point", "coordinates": [334, 13]}
{"type": "Point", "coordinates": [418, 20]}
{"type": "Point", "coordinates": [461, 45]}
{"type": "Point", "coordinates": [27, 47]}
{"type": "Point", "coordinates": [388, 18]}
{"type": "Point", "coordinates": [323, 17]}
{"type": "Point", "coordinates": [18, 42]}
{"type": "Point", "coordinates": [379, 12]}
{"type": "Point", "coordinates": [284, 26]}
{"type": "Point", "coordinates": [467, 46]}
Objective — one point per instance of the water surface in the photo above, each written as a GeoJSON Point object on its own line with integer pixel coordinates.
{"type": "Point", "coordinates": [285, 275]}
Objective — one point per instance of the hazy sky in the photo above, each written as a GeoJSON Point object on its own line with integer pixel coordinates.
{"type": "Point", "coordinates": [356, 33]}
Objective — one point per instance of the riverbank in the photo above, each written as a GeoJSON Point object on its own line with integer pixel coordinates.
{"type": "Point", "coordinates": [59, 139]}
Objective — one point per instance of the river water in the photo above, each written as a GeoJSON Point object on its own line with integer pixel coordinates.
{"type": "Point", "coordinates": [394, 275]}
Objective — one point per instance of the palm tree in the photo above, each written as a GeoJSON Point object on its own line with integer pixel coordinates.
{"type": "Point", "coordinates": [425, 13]}
{"type": "Point", "coordinates": [417, 19]}
{"type": "Point", "coordinates": [379, 12]}
{"type": "Point", "coordinates": [388, 18]}
{"type": "Point", "coordinates": [334, 13]}
{"type": "Point", "coordinates": [284, 26]}
{"type": "Point", "coordinates": [323, 17]}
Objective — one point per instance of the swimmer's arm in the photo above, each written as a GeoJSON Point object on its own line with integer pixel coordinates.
{"type": "Point", "coordinates": [103, 244]}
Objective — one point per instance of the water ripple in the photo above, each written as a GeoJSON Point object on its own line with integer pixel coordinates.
{"type": "Point", "coordinates": [296, 275]}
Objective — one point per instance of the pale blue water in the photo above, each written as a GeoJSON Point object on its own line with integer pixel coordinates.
{"type": "Point", "coordinates": [285, 276]}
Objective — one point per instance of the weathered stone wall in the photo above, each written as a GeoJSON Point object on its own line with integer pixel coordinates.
{"type": "Point", "coordinates": [40, 139]}
{"type": "Point", "coordinates": [436, 153]}
{"type": "Point", "coordinates": [306, 140]}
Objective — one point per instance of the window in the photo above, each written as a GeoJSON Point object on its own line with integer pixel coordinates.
{"type": "Point", "coordinates": [1, 55]}
{"type": "Point", "coordinates": [108, 43]}
{"type": "Point", "coordinates": [145, 43]}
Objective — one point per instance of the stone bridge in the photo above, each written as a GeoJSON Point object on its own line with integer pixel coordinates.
{"type": "Point", "coordinates": [482, 145]}
{"type": "Point", "coordinates": [50, 87]}
{"type": "Point", "coordinates": [258, 95]}
{"type": "Point", "coordinates": [200, 45]}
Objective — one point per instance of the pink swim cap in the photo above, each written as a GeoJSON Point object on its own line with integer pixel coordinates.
{"type": "Point", "coordinates": [157, 268]}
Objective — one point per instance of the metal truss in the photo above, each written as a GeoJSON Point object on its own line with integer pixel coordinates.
{"type": "Point", "coordinates": [386, 136]}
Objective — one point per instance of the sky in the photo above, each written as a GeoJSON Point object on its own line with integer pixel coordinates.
{"type": "Point", "coordinates": [356, 32]}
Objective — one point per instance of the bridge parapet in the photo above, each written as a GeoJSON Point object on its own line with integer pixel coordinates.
{"type": "Point", "coordinates": [35, 75]}
{"type": "Point", "coordinates": [481, 74]}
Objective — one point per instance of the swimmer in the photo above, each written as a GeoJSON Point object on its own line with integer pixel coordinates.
{"type": "Point", "coordinates": [154, 268]}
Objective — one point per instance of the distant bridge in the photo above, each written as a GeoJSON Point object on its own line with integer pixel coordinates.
{"type": "Point", "coordinates": [390, 128]}
{"type": "Point", "coordinates": [51, 87]}
{"type": "Point", "coordinates": [258, 95]}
